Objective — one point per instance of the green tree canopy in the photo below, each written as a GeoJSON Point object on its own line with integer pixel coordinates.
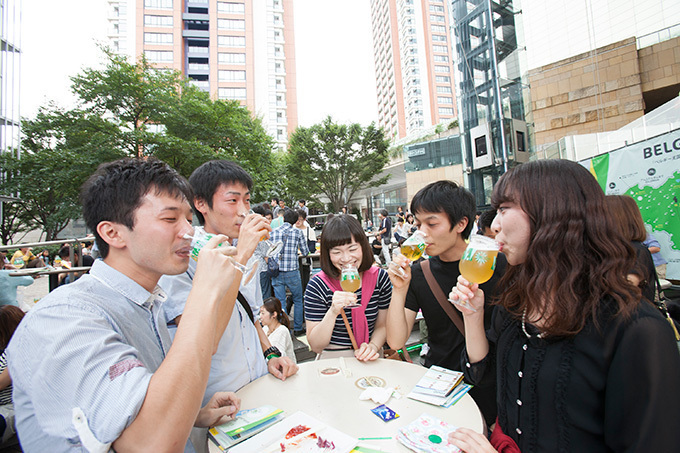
{"type": "Point", "coordinates": [60, 149]}
{"type": "Point", "coordinates": [335, 160]}
{"type": "Point", "coordinates": [125, 109]}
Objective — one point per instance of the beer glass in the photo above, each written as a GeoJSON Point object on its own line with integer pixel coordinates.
{"type": "Point", "coordinates": [273, 248]}
{"type": "Point", "coordinates": [198, 240]}
{"type": "Point", "coordinates": [479, 259]}
{"type": "Point", "coordinates": [477, 263]}
{"type": "Point", "coordinates": [413, 247]}
{"type": "Point", "coordinates": [350, 280]}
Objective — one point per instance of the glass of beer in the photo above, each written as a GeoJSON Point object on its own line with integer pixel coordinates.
{"type": "Point", "coordinates": [350, 280]}
{"type": "Point", "coordinates": [477, 263]}
{"type": "Point", "coordinates": [479, 259]}
{"type": "Point", "coordinates": [413, 247]}
{"type": "Point", "coordinates": [200, 238]}
{"type": "Point", "coordinates": [273, 248]}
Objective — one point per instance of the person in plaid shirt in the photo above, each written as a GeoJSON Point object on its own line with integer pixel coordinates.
{"type": "Point", "coordinates": [289, 269]}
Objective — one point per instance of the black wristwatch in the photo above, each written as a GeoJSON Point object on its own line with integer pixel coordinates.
{"type": "Point", "coordinates": [272, 351]}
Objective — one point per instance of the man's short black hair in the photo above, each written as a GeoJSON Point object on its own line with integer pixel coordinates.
{"type": "Point", "coordinates": [258, 209]}
{"type": "Point", "coordinates": [207, 178]}
{"type": "Point", "coordinates": [275, 199]}
{"type": "Point", "coordinates": [65, 252]}
{"type": "Point", "coordinates": [115, 191]}
{"type": "Point", "coordinates": [302, 201]}
{"type": "Point", "coordinates": [262, 209]}
{"type": "Point", "coordinates": [290, 215]}
{"type": "Point", "coordinates": [301, 213]}
{"type": "Point", "coordinates": [448, 197]}
{"type": "Point", "coordinates": [384, 212]}
{"type": "Point", "coordinates": [486, 219]}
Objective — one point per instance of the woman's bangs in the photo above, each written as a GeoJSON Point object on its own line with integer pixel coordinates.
{"type": "Point", "coordinates": [338, 235]}
{"type": "Point", "coordinates": [504, 192]}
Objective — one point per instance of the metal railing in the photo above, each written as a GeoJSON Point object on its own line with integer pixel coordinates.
{"type": "Point", "coordinates": [76, 250]}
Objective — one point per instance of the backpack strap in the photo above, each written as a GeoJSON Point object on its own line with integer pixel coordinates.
{"type": "Point", "coordinates": [441, 298]}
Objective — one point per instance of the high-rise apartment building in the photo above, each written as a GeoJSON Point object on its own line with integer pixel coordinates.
{"type": "Point", "coordinates": [120, 18]}
{"type": "Point", "coordinates": [413, 64]}
{"type": "Point", "coordinates": [242, 50]}
{"type": "Point", "coordinates": [10, 65]}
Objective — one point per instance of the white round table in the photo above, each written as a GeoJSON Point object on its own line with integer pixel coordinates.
{"type": "Point", "coordinates": [334, 400]}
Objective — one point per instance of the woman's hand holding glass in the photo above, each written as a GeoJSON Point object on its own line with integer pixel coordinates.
{"type": "Point", "coordinates": [342, 299]}
{"type": "Point", "coordinates": [477, 264]}
{"type": "Point", "coordinates": [467, 297]}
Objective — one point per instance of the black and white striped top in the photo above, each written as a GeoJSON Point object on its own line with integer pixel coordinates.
{"type": "Point", "coordinates": [5, 394]}
{"type": "Point", "coordinates": [319, 298]}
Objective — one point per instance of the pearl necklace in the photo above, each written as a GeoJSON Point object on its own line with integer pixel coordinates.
{"type": "Point", "coordinates": [524, 327]}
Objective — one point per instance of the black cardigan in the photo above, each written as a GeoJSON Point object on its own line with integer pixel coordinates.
{"type": "Point", "coordinates": [612, 389]}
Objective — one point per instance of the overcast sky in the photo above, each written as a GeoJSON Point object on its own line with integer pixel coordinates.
{"type": "Point", "coordinates": [334, 52]}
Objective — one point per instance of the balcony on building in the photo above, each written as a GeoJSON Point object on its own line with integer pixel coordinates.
{"type": "Point", "coordinates": [200, 81]}
{"type": "Point", "coordinates": [196, 25]}
{"type": "Point", "coordinates": [197, 48]}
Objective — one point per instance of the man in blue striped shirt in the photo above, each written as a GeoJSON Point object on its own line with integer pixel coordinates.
{"type": "Point", "coordinates": [91, 364]}
{"type": "Point", "coordinates": [289, 267]}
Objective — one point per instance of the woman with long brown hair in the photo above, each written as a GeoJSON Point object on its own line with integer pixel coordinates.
{"type": "Point", "coordinates": [581, 364]}
{"type": "Point", "coordinates": [626, 214]}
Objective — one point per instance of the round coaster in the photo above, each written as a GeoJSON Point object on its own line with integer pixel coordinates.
{"type": "Point", "coordinates": [435, 439]}
{"type": "Point", "coordinates": [370, 381]}
{"type": "Point", "coordinates": [330, 371]}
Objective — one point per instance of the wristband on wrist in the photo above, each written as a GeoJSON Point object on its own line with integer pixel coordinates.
{"type": "Point", "coordinates": [272, 351]}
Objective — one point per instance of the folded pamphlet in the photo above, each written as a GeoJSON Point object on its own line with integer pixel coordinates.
{"type": "Point", "coordinates": [246, 424]}
{"type": "Point", "coordinates": [440, 387]}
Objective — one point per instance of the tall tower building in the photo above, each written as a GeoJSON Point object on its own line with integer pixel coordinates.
{"type": "Point", "coordinates": [120, 21]}
{"type": "Point", "coordinates": [10, 66]}
{"type": "Point", "coordinates": [413, 64]}
{"type": "Point", "coordinates": [242, 50]}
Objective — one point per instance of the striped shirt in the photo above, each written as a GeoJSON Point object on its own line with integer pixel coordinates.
{"type": "Point", "coordinates": [319, 298]}
{"type": "Point", "coordinates": [93, 345]}
{"type": "Point", "coordinates": [295, 239]}
{"type": "Point", "coordinates": [6, 393]}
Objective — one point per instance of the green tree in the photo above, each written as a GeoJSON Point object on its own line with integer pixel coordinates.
{"type": "Point", "coordinates": [126, 109]}
{"type": "Point", "coordinates": [131, 95]}
{"type": "Point", "coordinates": [60, 149]}
{"type": "Point", "coordinates": [159, 113]}
{"type": "Point", "coordinates": [225, 130]}
{"type": "Point", "coordinates": [12, 223]}
{"type": "Point", "coordinates": [335, 160]}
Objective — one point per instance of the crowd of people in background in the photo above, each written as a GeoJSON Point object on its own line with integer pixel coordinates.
{"type": "Point", "coordinates": [564, 345]}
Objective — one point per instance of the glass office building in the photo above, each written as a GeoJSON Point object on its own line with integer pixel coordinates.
{"type": "Point", "coordinates": [10, 66]}
{"type": "Point", "coordinates": [492, 93]}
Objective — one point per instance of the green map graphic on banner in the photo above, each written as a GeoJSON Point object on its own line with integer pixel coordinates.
{"type": "Point", "coordinates": [648, 171]}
